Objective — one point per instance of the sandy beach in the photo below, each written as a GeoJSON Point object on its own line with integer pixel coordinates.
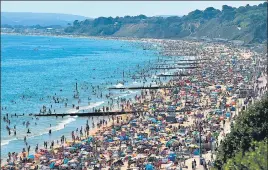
{"type": "Point", "coordinates": [168, 125]}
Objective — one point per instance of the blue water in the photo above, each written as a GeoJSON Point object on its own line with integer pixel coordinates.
{"type": "Point", "coordinates": [34, 68]}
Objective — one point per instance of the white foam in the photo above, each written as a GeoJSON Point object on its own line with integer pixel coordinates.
{"type": "Point", "coordinates": [5, 142]}
{"type": "Point", "coordinates": [57, 127]}
{"type": "Point", "coordinates": [119, 85]}
{"type": "Point", "coordinates": [131, 92]}
{"type": "Point", "coordinates": [62, 124]}
{"type": "Point", "coordinates": [154, 77]}
{"type": "Point", "coordinates": [85, 107]}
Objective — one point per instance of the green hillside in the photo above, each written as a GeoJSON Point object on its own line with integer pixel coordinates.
{"type": "Point", "coordinates": [247, 23]}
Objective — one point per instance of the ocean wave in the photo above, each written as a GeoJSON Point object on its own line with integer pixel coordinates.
{"type": "Point", "coordinates": [126, 93]}
{"type": "Point", "coordinates": [119, 85]}
{"type": "Point", "coordinates": [6, 142]}
{"type": "Point", "coordinates": [96, 104]}
{"type": "Point", "coordinates": [62, 124]}
{"type": "Point", "coordinates": [57, 127]}
{"type": "Point", "coordinates": [154, 77]}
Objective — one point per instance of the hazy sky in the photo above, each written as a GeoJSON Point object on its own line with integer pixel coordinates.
{"type": "Point", "coordinates": [117, 8]}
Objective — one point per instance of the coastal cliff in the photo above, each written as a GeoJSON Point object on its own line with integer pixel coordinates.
{"type": "Point", "coordinates": [246, 23]}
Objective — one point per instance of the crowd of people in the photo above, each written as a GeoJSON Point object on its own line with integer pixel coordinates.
{"type": "Point", "coordinates": [177, 127]}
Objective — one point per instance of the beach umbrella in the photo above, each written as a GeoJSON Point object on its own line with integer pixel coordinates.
{"type": "Point", "coordinates": [200, 115]}
{"type": "Point", "coordinates": [169, 143]}
{"type": "Point", "coordinates": [51, 166]}
{"type": "Point", "coordinates": [153, 120]}
{"type": "Point", "coordinates": [65, 161]}
{"type": "Point", "coordinates": [172, 157]}
{"type": "Point", "coordinates": [195, 132]}
{"type": "Point", "coordinates": [196, 152]}
{"type": "Point", "coordinates": [229, 88]}
{"type": "Point", "coordinates": [228, 114]}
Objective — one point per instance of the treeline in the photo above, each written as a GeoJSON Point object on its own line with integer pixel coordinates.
{"type": "Point", "coordinates": [245, 147]}
{"type": "Point", "coordinates": [31, 27]}
{"type": "Point", "coordinates": [247, 23]}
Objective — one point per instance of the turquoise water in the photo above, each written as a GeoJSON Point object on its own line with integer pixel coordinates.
{"type": "Point", "coordinates": [35, 68]}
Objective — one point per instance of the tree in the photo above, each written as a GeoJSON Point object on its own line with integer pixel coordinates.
{"type": "Point", "coordinates": [255, 158]}
{"type": "Point", "coordinates": [76, 23]}
{"type": "Point", "coordinates": [211, 12]}
{"type": "Point", "coordinates": [196, 14]}
{"type": "Point", "coordinates": [252, 125]}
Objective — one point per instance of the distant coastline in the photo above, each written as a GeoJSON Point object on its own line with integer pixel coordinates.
{"type": "Point", "coordinates": [84, 36]}
{"type": "Point", "coordinates": [259, 47]}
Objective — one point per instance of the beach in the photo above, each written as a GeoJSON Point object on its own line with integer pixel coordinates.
{"type": "Point", "coordinates": [177, 125]}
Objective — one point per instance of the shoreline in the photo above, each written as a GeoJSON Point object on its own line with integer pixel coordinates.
{"type": "Point", "coordinates": [192, 118]}
{"type": "Point", "coordinates": [86, 37]}
{"type": "Point", "coordinates": [86, 107]}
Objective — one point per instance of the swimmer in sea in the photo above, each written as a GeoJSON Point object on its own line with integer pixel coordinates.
{"type": "Point", "coordinates": [28, 131]}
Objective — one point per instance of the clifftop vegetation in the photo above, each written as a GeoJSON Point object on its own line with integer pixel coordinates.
{"type": "Point", "coordinates": [245, 147]}
{"type": "Point", "coordinates": [246, 23]}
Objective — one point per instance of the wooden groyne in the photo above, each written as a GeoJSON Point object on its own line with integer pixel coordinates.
{"type": "Point", "coordinates": [203, 59]}
{"type": "Point", "coordinates": [86, 114]}
{"type": "Point", "coordinates": [180, 63]}
{"type": "Point", "coordinates": [173, 75]}
{"type": "Point", "coordinates": [169, 68]}
{"type": "Point", "coordinates": [139, 88]}
{"type": "Point", "coordinates": [101, 113]}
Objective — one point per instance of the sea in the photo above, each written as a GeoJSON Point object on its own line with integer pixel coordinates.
{"type": "Point", "coordinates": [36, 68]}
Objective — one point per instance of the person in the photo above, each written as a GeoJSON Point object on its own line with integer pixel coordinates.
{"type": "Point", "coordinates": [29, 147]}
{"type": "Point", "coordinates": [36, 148]}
